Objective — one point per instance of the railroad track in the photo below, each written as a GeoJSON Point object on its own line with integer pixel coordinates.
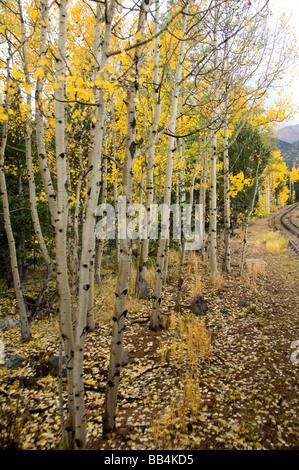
{"type": "Point", "coordinates": [290, 226]}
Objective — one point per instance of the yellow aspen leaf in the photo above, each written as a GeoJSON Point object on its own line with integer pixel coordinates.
{"type": "Point", "coordinates": [70, 87]}
{"type": "Point", "coordinates": [16, 74]}
{"type": "Point", "coordinates": [138, 36]}
{"type": "Point", "coordinates": [110, 68]}
{"type": "Point", "coordinates": [81, 93]}
{"type": "Point", "coordinates": [3, 117]}
{"type": "Point", "coordinates": [40, 72]}
{"type": "Point", "coordinates": [105, 97]}
{"type": "Point", "coordinates": [79, 81]}
{"type": "Point", "coordinates": [110, 87]}
{"type": "Point", "coordinates": [56, 85]}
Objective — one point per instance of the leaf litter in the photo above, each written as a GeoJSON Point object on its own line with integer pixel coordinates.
{"type": "Point", "coordinates": [224, 380]}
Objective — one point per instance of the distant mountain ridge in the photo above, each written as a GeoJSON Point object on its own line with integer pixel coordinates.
{"type": "Point", "coordinates": [289, 134]}
{"type": "Point", "coordinates": [289, 153]}
{"type": "Point", "coordinates": [288, 144]}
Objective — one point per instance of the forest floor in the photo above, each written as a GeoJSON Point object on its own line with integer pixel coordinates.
{"type": "Point", "coordinates": [221, 381]}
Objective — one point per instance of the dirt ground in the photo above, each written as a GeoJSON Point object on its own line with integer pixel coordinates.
{"type": "Point", "coordinates": [225, 380]}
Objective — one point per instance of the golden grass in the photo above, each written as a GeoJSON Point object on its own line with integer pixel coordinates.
{"type": "Point", "coordinates": [190, 346]}
{"type": "Point", "coordinates": [217, 281]}
{"type": "Point", "coordinates": [104, 300]}
{"type": "Point", "coordinates": [197, 288]}
{"type": "Point", "coordinates": [275, 242]}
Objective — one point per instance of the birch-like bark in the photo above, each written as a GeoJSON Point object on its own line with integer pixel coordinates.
{"type": "Point", "coordinates": [101, 243]}
{"type": "Point", "coordinates": [76, 424]}
{"type": "Point", "coordinates": [186, 231]}
{"type": "Point", "coordinates": [75, 245]}
{"type": "Point", "coordinates": [202, 198]}
{"type": "Point", "coordinates": [61, 225]}
{"type": "Point", "coordinates": [155, 324]}
{"type": "Point", "coordinates": [140, 227]}
{"type": "Point", "coordinates": [248, 220]}
{"type": "Point", "coordinates": [226, 189]}
{"type": "Point", "coordinates": [213, 163]}
{"type": "Point", "coordinates": [115, 185]}
{"type": "Point", "coordinates": [87, 262]}
{"type": "Point", "coordinates": [142, 287]}
{"type": "Point", "coordinates": [25, 330]}
{"type": "Point", "coordinates": [267, 194]}
{"type": "Point", "coordinates": [39, 117]}
{"type": "Point", "coordinates": [120, 310]}
{"type": "Point", "coordinates": [28, 152]}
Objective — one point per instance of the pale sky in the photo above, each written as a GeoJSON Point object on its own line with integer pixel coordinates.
{"type": "Point", "coordinates": [289, 7]}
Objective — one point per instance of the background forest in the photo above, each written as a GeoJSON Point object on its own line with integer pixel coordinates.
{"type": "Point", "coordinates": [157, 102]}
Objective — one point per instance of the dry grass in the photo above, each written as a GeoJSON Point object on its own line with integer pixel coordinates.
{"type": "Point", "coordinates": [275, 242]}
{"type": "Point", "coordinates": [185, 404]}
{"type": "Point", "coordinates": [217, 281]}
{"type": "Point", "coordinates": [104, 300]}
{"type": "Point", "coordinates": [197, 288]}
{"type": "Point", "coordinates": [190, 346]}
{"type": "Point", "coordinates": [253, 270]}
{"type": "Point", "coordinates": [193, 263]}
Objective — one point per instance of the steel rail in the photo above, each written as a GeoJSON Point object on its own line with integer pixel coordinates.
{"type": "Point", "coordinates": [290, 229]}
{"type": "Point", "coordinates": [285, 225]}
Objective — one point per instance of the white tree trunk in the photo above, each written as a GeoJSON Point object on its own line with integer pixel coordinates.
{"type": "Point", "coordinates": [226, 190]}
{"type": "Point", "coordinates": [213, 158]}
{"type": "Point", "coordinates": [213, 207]}
{"type": "Point", "coordinates": [142, 287]}
{"type": "Point", "coordinates": [25, 331]}
{"type": "Point", "coordinates": [155, 324]}
{"type": "Point", "coordinates": [121, 293]}
{"type": "Point", "coordinates": [28, 152]}
{"type": "Point", "coordinates": [101, 243]}
{"type": "Point", "coordinates": [202, 197]}
{"type": "Point", "coordinates": [39, 118]}
{"type": "Point", "coordinates": [187, 230]}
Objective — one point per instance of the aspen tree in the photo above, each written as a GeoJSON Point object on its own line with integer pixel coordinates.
{"type": "Point", "coordinates": [142, 289]}
{"type": "Point", "coordinates": [28, 151]}
{"type": "Point", "coordinates": [202, 197]}
{"type": "Point", "coordinates": [186, 232]}
{"type": "Point", "coordinates": [39, 115]}
{"type": "Point", "coordinates": [227, 219]}
{"type": "Point", "coordinates": [100, 244]}
{"type": "Point", "coordinates": [25, 330]}
{"type": "Point", "coordinates": [115, 185]}
{"type": "Point", "coordinates": [85, 319]}
{"type": "Point", "coordinates": [248, 221]}
{"type": "Point", "coordinates": [121, 293]}
{"type": "Point", "coordinates": [154, 318]}
{"type": "Point", "coordinates": [61, 224]}
{"type": "Point", "coordinates": [213, 155]}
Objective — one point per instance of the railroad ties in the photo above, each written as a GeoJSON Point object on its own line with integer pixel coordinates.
{"type": "Point", "coordinates": [291, 227]}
